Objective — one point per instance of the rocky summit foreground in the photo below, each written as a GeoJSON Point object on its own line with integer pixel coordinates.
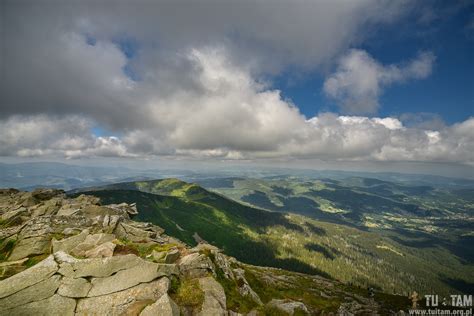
{"type": "Point", "coordinates": [65, 256]}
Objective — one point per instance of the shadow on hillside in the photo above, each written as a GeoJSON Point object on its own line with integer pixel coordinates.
{"type": "Point", "coordinates": [460, 285]}
{"type": "Point", "coordinates": [261, 254]}
{"type": "Point", "coordinates": [166, 211]}
{"type": "Point", "coordinates": [461, 248]}
{"type": "Point", "coordinates": [327, 252]}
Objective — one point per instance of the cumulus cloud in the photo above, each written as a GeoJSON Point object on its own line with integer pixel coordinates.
{"type": "Point", "coordinates": [230, 115]}
{"type": "Point", "coordinates": [359, 79]}
{"type": "Point", "coordinates": [68, 57]}
{"type": "Point", "coordinates": [196, 90]}
{"type": "Point", "coordinates": [44, 136]}
{"type": "Point", "coordinates": [325, 137]}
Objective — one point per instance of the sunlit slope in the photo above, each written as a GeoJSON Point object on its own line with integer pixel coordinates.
{"type": "Point", "coordinates": [293, 242]}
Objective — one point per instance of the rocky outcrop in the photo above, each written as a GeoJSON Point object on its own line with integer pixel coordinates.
{"type": "Point", "coordinates": [127, 302]}
{"type": "Point", "coordinates": [214, 298]}
{"type": "Point", "coordinates": [35, 274]}
{"type": "Point", "coordinates": [75, 256]}
{"type": "Point", "coordinates": [195, 265]}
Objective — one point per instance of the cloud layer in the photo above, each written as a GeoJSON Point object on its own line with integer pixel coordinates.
{"type": "Point", "coordinates": [182, 80]}
{"type": "Point", "coordinates": [229, 115]}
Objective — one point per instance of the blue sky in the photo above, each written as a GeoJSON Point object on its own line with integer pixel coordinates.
{"type": "Point", "coordinates": [447, 92]}
{"type": "Point", "coordinates": [375, 82]}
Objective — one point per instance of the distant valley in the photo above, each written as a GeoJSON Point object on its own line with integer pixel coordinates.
{"type": "Point", "coordinates": [362, 231]}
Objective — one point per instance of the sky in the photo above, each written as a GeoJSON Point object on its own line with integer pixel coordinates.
{"type": "Point", "coordinates": [306, 83]}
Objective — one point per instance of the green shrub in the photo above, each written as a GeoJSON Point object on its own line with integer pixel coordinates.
{"type": "Point", "coordinates": [6, 247]}
{"type": "Point", "coordinates": [189, 293]}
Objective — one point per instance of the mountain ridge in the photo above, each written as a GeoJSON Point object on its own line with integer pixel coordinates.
{"type": "Point", "coordinates": [66, 256]}
{"type": "Point", "coordinates": [365, 257]}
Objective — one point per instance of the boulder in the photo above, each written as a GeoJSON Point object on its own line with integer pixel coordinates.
{"type": "Point", "coordinates": [36, 292]}
{"type": "Point", "coordinates": [67, 210]}
{"type": "Point", "coordinates": [49, 207]}
{"type": "Point", "coordinates": [52, 306]}
{"type": "Point", "coordinates": [172, 256]}
{"type": "Point", "coordinates": [67, 244]}
{"type": "Point", "coordinates": [113, 221]}
{"type": "Point", "coordinates": [168, 269]}
{"type": "Point", "coordinates": [288, 306]}
{"type": "Point", "coordinates": [133, 233]}
{"type": "Point", "coordinates": [96, 210]}
{"type": "Point", "coordinates": [14, 213]}
{"type": "Point", "coordinates": [224, 264]}
{"type": "Point", "coordinates": [214, 298]}
{"type": "Point", "coordinates": [244, 286]}
{"type": "Point", "coordinates": [71, 231]}
{"type": "Point", "coordinates": [143, 272]}
{"type": "Point", "coordinates": [164, 306]}
{"type": "Point", "coordinates": [124, 207]}
{"type": "Point", "coordinates": [195, 265]}
{"type": "Point", "coordinates": [39, 272]}
{"type": "Point", "coordinates": [99, 267]}
{"type": "Point", "coordinates": [29, 201]}
{"type": "Point", "coordinates": [30, 247]}
{"type": "Point", "coordinates": [74, 287]}
{"type": "Point", "coordinates": [101, 251]}
{"type": "Point", "coordinates": [123, 302]}
{"type": "Point", "coordinates": [90, 242]}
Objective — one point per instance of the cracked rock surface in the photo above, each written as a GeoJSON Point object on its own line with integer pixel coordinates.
{"type": "Point", "coordinates": [74, 256]}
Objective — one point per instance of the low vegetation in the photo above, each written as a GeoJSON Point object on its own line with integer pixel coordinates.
{"type": "Point", "coordinates": [397, 260]}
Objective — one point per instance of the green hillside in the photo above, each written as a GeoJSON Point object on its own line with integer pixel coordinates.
{"type": "Point", "coordinates": [294, 242]}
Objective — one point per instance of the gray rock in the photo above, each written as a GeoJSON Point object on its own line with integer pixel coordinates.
{"type": "Point", "coordinates": [29, 277]}
{"type": "Point", "coordinates": [67, 244]}
{"type": "Point", "coordinates": [55, 305]}
{"type": "Point", "coordinates": [101, 251]}
{"type": "Point", "coordinates": [288, 306]}
{"type": "Point", "coordinates": [136, 234]}
{"type": "Point", "coordinates": [143, 272]}
{"type": "Point", "coordinates": [102, 267]}
{"type": "Point", "coordinates": [164, 306]}
{"type": "Point", "coordinates": [244, 286]}
{"type": "Point", "coordinates": [198, 238]}
{"type": "Point", "coordinates": [168, 269]}
{"type": "Point", "coordinates": [71, 231]}
{"type": "Point", "coordinates": [36, 292]}
{"type": "Point", "coordinates": [127, 302]}
{"type": "Point", "coordinates": [11, 214]}
{"type": "Point", "coordinates": [90, 242]}
{"type": "Point", "coordinates": [96, 210]}
{"type": "Point", "coordinates": [195, 265]}
{"type": "Point", "coordinates": [74, 287]}
{"type": "Point", "coordinates": [113, 221]}
{"type": "Point", "coordinates": [124, 207]}
{"type": "Point", "coordinates": [30, 247]}
{"type": "Point", "coordinates": [68, 210]}
{"type": "Point", "coordinates": [62, 257]}
{"type": "Point", "coordinates": [214, 298]}
{"type": "Point", "coordinates": [172, 256]}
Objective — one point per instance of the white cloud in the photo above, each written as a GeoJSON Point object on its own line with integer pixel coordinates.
{"type": "Point", "coordinates": [44, 136]}
{"type": "Point", "coordinates": [359, 79]}
{"type": "Point", "coordinates": [231, 116]}
{"type": "Point", "coordinates": [199, 93]}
